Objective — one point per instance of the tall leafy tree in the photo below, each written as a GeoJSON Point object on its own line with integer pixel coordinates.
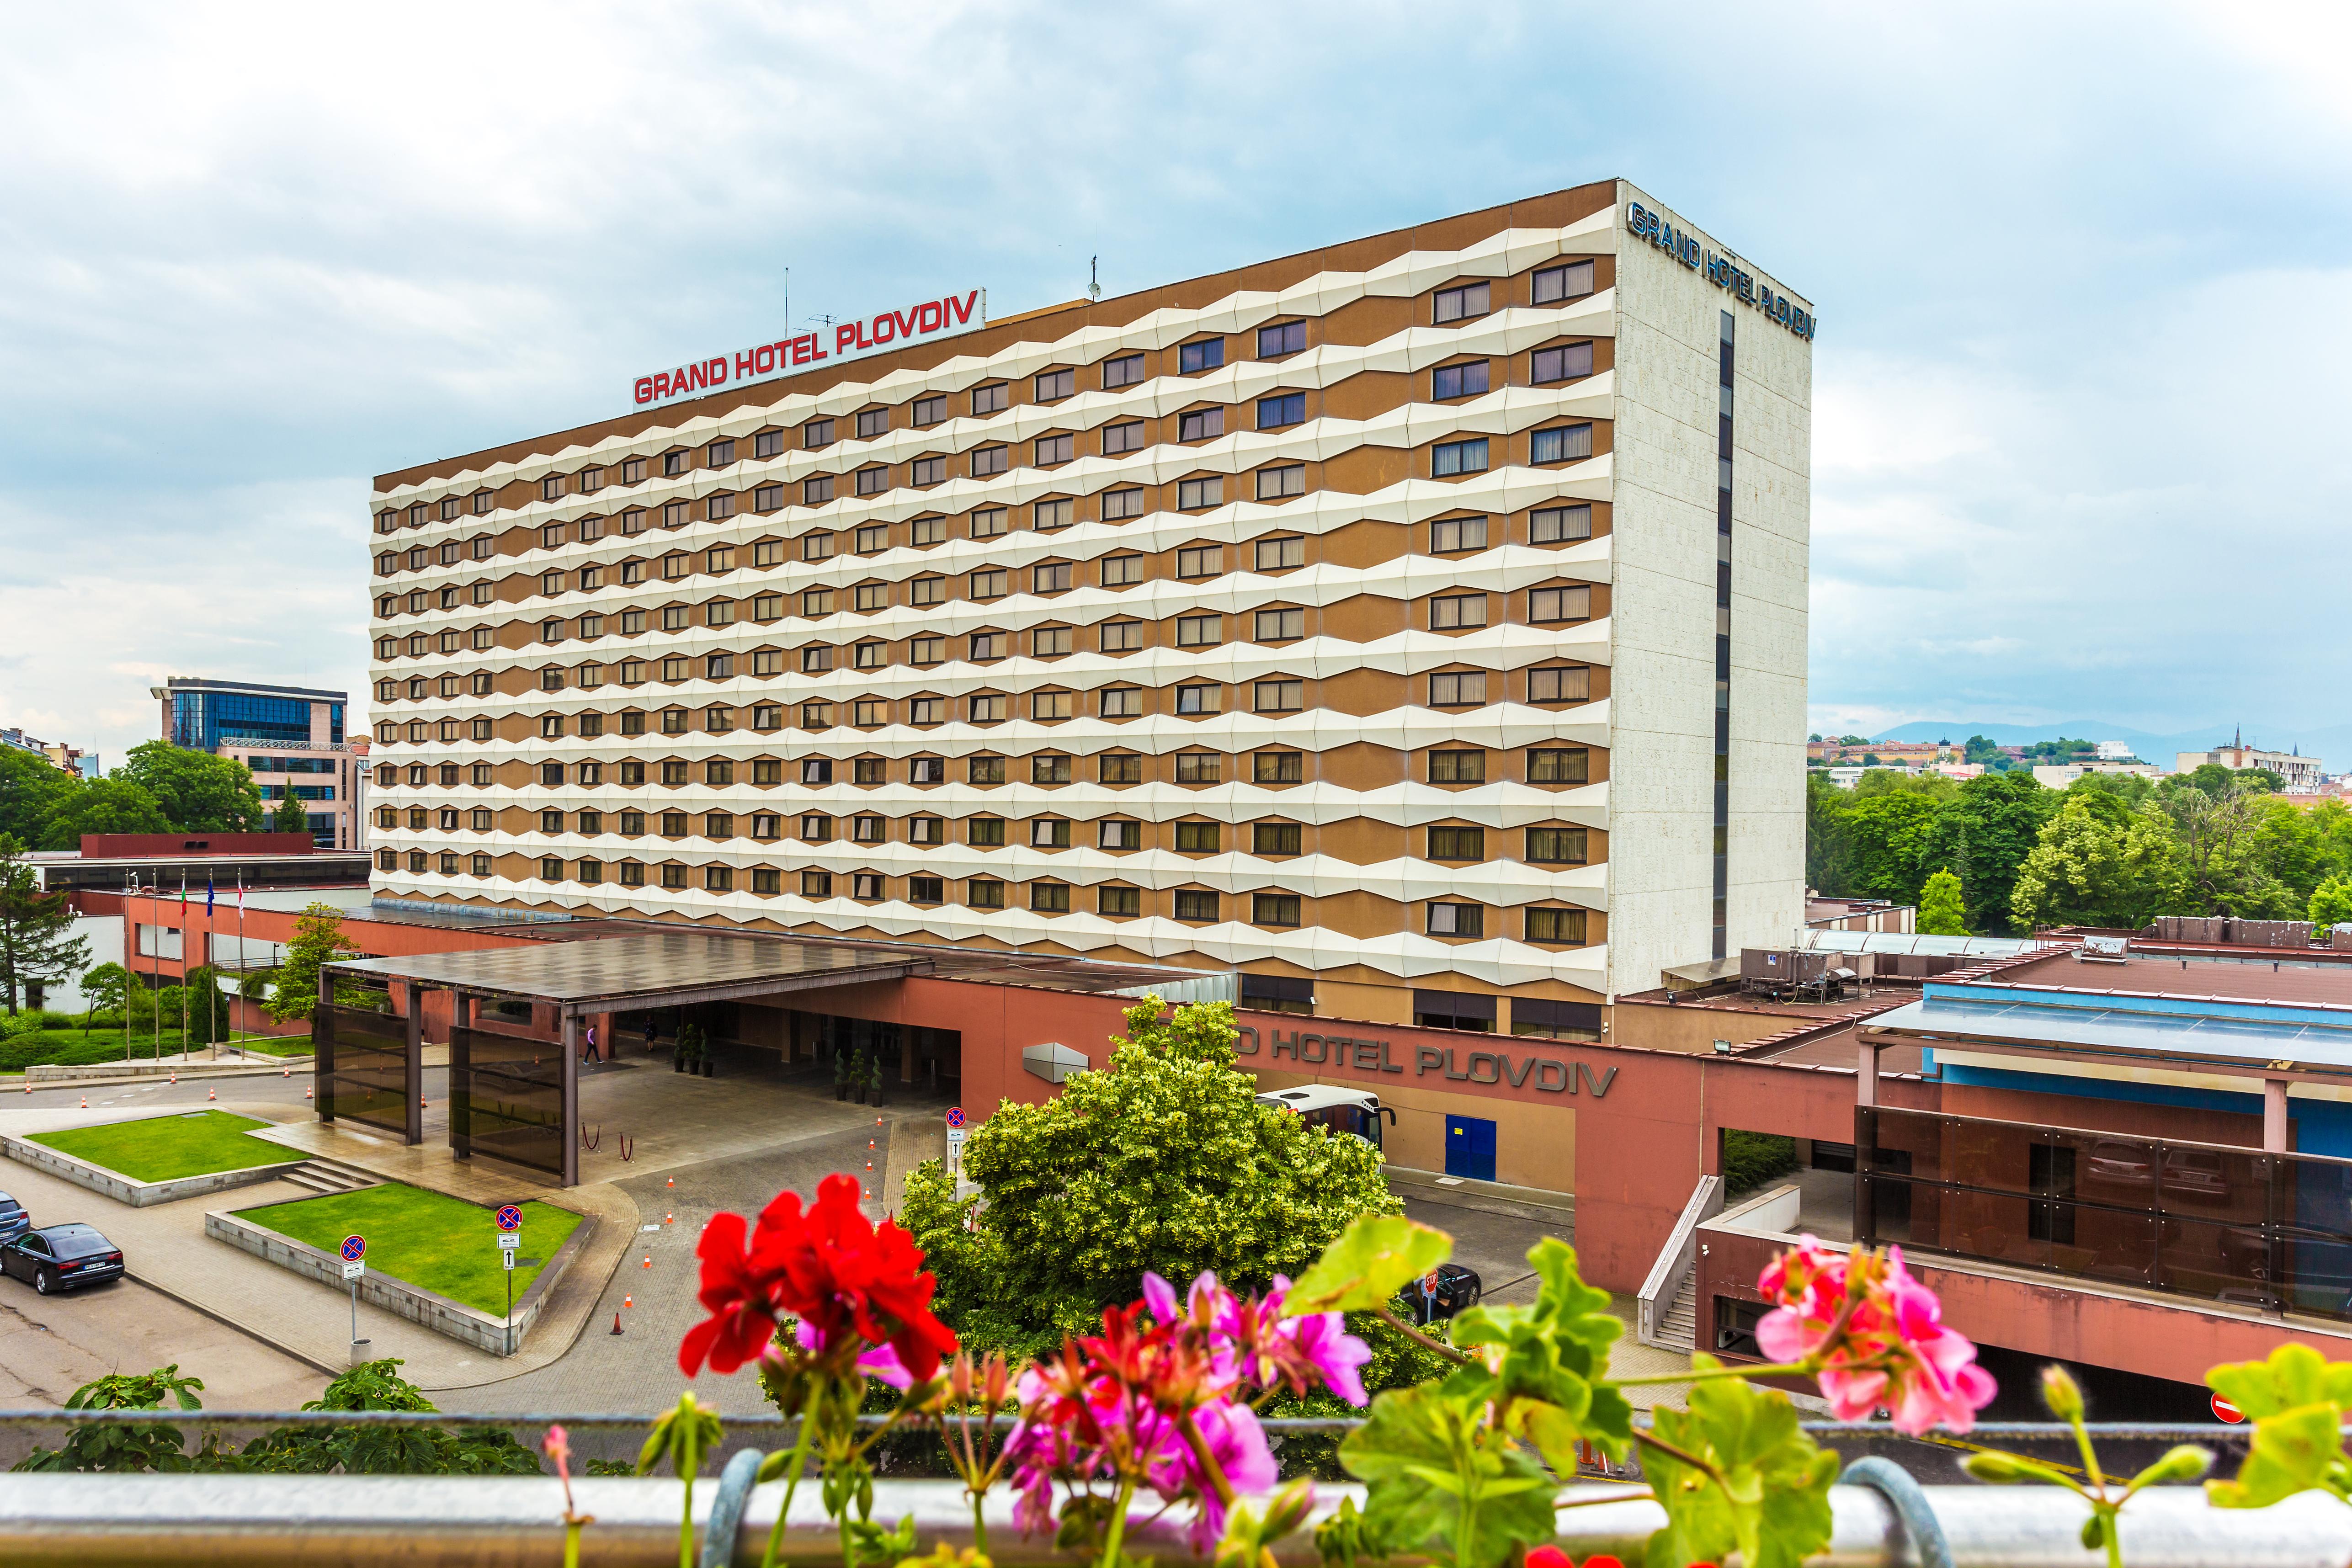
{"type": "Point", "coordinates": [2331, 902]}
{"type": "Point", "coordinates": [2219, 842]}
{"type": "Point", "coordinates": [318, 939]}
{"type": "Point", "coordinates": [1164, 1161]}
{"type": "Point", "coordinates": [32, 792]}
{"type": "Point", "coordinates": [199, 792]}
{"type": "Point", "coordinates": [291, 816]}
{"type": "Point", "coordinates": [2088, 869]}
{"type": "Point", "coordinates": [104, 989]}
{"type": "Point", "coordinates": [38, 944]}
{"type": "Point", "coordinates": [1983, 834]}
{"type": "Point", "coordinates": [115, 805]}
{"type": "Point", "coordinates": [1942, 911]}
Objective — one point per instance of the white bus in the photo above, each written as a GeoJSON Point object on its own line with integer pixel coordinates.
{"type": "Point", "coordinates": [1357, 1113]}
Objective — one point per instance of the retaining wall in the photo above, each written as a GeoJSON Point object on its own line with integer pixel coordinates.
{"type": "Point", "coordinates": [137, 1194]}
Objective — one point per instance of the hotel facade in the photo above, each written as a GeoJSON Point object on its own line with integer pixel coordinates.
{"type": "Point", "coordinates": [1415, 626]}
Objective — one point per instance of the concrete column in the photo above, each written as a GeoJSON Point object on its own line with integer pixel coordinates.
{"type": "Point", "coordinates": [906, 1053]}
{"type": "Point", "coordinates": [571, 1049]}
{"type": "Point", "coordinates": [413, 1077]}
{"type": "Point", "coordinates": [1866, 1082]}
{"type": "Point", "coordinates": [323, 1053]}
{"type": "Point", "coordinates": [461, 1084]}
{"type": "Point", "coordinates": [2274, 1115]}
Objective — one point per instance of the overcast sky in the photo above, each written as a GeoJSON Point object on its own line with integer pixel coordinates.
{"type": "Point", "coordinates": [2079, 429]}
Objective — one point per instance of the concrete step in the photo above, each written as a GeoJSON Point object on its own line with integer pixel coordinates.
{"type": "Point", "coordinates": [325, 1176]}
{"type": "Point", "coordinates": [1679, 1329]}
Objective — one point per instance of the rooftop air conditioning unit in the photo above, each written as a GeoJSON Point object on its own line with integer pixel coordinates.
{"type": "Point", "coordinates": [2106, 949]}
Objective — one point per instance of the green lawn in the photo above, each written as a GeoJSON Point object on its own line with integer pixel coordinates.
{"type": "Point", "coordinates": [72, 1047]}
{"type": "Point", "coordinates": [444, 1244]}
{"type": "Point", "coordinates": [165, 1148]}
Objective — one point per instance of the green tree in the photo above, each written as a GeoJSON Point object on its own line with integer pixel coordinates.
{"type": "Point", "coordinates": [291, 816]}
{"type": "Point", "coordinates": [1942, 911]}
{"type": "Point", "coordinates": [104, 806]}
{"type": "Point", "coordinates": [1888, 833]}
{"type": "Point", "coordinates": [32, 790]}
{"type": "Point", "coordinates": [1165, 1161]}
{"type": "Point", "coordinates": [1829, 841]}
{"type": "Point", "coordinates": [207, 1008]}
{"type": "Point", "coordinates": [38, 944]}
{"type": "Point", "coordinates": [2086, 870]}
{"type": "Point", "coordinates": [1979, 750]}
{"type": "Point", "coordinates": [2220, 840]}
{"type": "Point", "coordinates": [104, 989]}
{"type": "Point", "coordinates": [146, 1447]}
{"type": "Point", "coordinates": [384, 1450]}
{"type": "Point", "coordinates": [1983, 834]}
{"type": "Point", "coordinates": [318, 939]}
{"type": "Point", "coordinates": [199, 792]}
{"type": "Point", "coordinates": [2331, 903]}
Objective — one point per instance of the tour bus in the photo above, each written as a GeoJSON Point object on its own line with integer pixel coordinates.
{"type": "Point", "coordinates": [1355, 1111]}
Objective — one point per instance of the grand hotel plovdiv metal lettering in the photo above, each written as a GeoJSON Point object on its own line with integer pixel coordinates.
{"type": "Point", "coordinates": [1548, 1074]}
{"type": "Point", "coordinates": [1724, 271]}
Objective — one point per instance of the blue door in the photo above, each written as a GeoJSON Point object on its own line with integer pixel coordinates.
{"type": "Point", "coordinates": [1470, 1147]}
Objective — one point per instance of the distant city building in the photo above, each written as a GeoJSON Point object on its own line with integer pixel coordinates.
{"type": "Point", "coordinates": [291, 736]}
{"type": "Point", "coordinates": [2060, 775]}
{"type": "Point", "coordinates": [2113, 751]}
{"type": "Point", "coordinates": [72, 759]}
{"type": "Point", "coordinates": [2298, 775]}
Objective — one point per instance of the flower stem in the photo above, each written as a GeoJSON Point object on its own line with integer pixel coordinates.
{"type": "Point", "coordinates": [1209, 1466]}
{"type": "Point", "coordinates": [570, 1542]}
{"type": "Point", "coordinates": [1423, 1340]}
{"type": "Point", "coordinates": [792, 1475]}
{"type": "Point", "coordinates": [686, 1526]}
{"type": "Point", "coordinates": [1779, 1369]}
{"type": "Point", "coordinates": [1681, 1458]}
{"type": "Point", "coordinates": [1636, 1495]}
{"type": "Point", "coordinates": [1118, 1523]}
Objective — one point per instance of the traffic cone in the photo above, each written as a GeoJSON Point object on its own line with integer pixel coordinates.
{"type": "Point", "coordinates": [628, 1301]}
{"type": "Point", "coordinates": [649, 1259]}
{"type": "Point", "coordinates": [211, 1094]}
{"type": "Point", "coordinates": [673, 1181]}
{"type": "Point", "coordinates": [285, 1072]}
{"type": "Point", "coordinates": [175, 1078]}
{"type": "Point", "coordinates": [616, 1323]}
{"type": "Point", "coordinates": [670, 1219]}
{"type": "Point", "coordinates": [85, 1101]}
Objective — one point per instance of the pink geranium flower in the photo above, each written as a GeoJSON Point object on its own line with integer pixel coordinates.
{"type": "Point", "coordinates": [1877, 1334]}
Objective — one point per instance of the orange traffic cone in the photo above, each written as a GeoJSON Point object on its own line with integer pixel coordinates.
{"type": "Point", "coordinates": [306, 1093]}
{"type": "Point", "coordinates": [616, 1323]}
{"type": "Point", "coordinates": [649, 1259]}
{"type": "Point", "coordinates": [175, 1078]}
{"type": "Point", "coordinates": [211, 1094]}
{"type": "Point", "coordinates": [670, 1219]}
{"type": "Point", "coordinates": [285, 1072]}
{"type": "Point", "coordinates": [627, 1301]}
{"type": "Point", "coordinates": [85, 1101]}
{"type": "Point", "coordinates": [673, 1181]}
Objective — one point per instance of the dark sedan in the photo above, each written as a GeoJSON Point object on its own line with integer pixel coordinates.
{"type": "Point", "coordinates": [61, 1258]}
{"type": "Point", "coordinates": [15, 1219]}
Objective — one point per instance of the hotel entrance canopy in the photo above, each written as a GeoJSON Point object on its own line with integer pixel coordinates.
{"type": "Point", "coordinates": [511, 1097]}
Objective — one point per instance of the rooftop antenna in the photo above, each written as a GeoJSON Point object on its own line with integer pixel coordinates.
{"type": "Point", "coordinates": [1094, 278]}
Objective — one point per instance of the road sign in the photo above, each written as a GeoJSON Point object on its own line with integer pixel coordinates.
{"type": "Point", "coordinates": [353, 1271]}
{"type": "Point", "coordinates": [2225, 1411]}
{"type": "Point", "coordinates": [354, 1248]}
{"type": "Point", "coordinates": [509, 1240]}
{"type": "Point", "coordinates": [955, 1137]}
{"type": "Point", "coordinates": [510, 1217]}
{"type": "Point", "coordinates": [509, 1257]}
{"type": "Point", "coordinates": [955, 1119]}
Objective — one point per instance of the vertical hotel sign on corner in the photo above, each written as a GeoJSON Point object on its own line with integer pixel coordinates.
{"type": "Point", "coordinates": [945, 317]}
{"type": "Point", "coordinates": [1724, 270]}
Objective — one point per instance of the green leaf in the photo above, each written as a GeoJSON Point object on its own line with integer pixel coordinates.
{"type": "Point", "coordinates": [2297, 1400]}
{"type": "Point", "coordinates": [1438, 1477]}
{"type": "Point", "coordinates": [1771, 1502]}
{"type": "Point", "coordinates": [1368, 1265]}
{"type": "Point", "coordinates": [1556, 1356]}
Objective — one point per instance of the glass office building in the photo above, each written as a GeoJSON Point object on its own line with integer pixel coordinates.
{"type": "Point", "coordinates": [202, 715]}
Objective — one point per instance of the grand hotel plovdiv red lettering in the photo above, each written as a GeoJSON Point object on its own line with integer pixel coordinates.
{"type": "Point", "coordinates": [931, 318]}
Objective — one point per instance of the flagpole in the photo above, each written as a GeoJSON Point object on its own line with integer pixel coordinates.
{"type": "Point", "coordinates": [156, 903]}
{"type": "Point", "coordinates": [183, 963]}
{"type": "Point", "coordinates": [212, 981]}
{"type": "Point", "coordinates": [240, 950]}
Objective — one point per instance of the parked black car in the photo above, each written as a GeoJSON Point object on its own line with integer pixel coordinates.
{"type": "Point", "coordinates": [61, 1258]}
{"type": "Point", "coordinates": [1457, 1289]}
{"type": "Point", "coordinates": [15, 1219]}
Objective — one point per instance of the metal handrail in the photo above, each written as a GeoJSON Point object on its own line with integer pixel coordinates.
{"type": "Point", "coordinates": [266, 1522]}
{"type": "Point", "coordinates": [1675, 1258]}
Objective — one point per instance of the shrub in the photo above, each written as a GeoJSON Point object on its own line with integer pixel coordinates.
{"type": "Point", "coordinates": [1751, 1159]}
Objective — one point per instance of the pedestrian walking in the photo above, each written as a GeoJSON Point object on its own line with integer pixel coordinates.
{"type": "Point", "coordinates": [589, 1054]}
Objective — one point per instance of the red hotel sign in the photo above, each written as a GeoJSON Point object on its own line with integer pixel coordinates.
{"type": "Point", "coordinates": [931, 318]}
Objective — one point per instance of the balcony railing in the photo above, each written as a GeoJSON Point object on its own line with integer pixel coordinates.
{"type": "Point", "coordinates": [2214, 1221]}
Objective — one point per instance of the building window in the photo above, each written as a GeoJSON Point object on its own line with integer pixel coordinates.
{"type": "Point", "coordinates": [550, 869]}
{"type": "Point", "coordinates": [1454, 688]}
{"type": "Point", "coordinates": [1559, 525]}
{"type": "Point", "coordinates": [1449, 536]}
{"type": "Point", "coordinates": [1280, 484]}
{"type": "Point", "coordinates": [1284, 337]}
{"type": "Point", "coordinates": [1546, 606]}
{"type": "Point", "coordinates": [866, 886]}
{"type": "Point", "coordinates": [984, 893]}
{"type": "Point", "coordinates": [989, 522]}
{"type": "Point", "coordinates": [873, 481]}
{"type": "Point", "coordinates": [1200, 560]}
{"type": "Point", "coordinates": [1200, 699]}
{"type": "Point", "coordinates": [1199, 630]}
{"type": "Point", "coordinates": [1449, 458]}
{"type": "Point", "coordinates": [673, 878]}
{"type": "Point", "coordinates": [1050, 897]}
{"type": "Point", "coordinates": [1273, 909]}
{"type": "Point", "coordinates": [1120, 767]}
{"type": "Point", "coordinates": [1196, 904]}
{"type": "Point", "coordinates": [1052, 578]}
{"type": "Point", "coordinates": [928, 711]}
{"type": "Point", "coordinates": [925, 591]}
{"type": "Point", "coordinates": [1200, 423]}
{"type": "Point", "coordinates": [1457, 920]}
{"type": "Point", "coordinates": [926, 890]}
{"type": "Point", "coordinates": [1278, 768]}
{"type": "Point", "coordinates": [1457, 767]}
{"type": "Point", "coordinates": [1191, 494]}
{"type": "Point", "coordinates": [1279, 554]}
{"type": "Point", "coordinates": [1125, 570]}
{"type": "Point", "coordinates": [873, 421]}
{"type": "Point", "coordinates": [1118, 833]}
{"type": "Point", "coordinates": [1053, 449]}
{"type": "Point", "coordinates": [1281, 625]}
{"type": "Point", "coordinates": [925, 531]}
{"type": "Point", "coordinates": [929, 471]}
{"type": "Point", "coordinates": [1570, 765]}
{"type": "Point", "coordinates": [1556, 846]}
{"type": "Point", "coordinates": [1205, 355]}
{"type": "Point", "coordinates": [1459, 303]}
{"type": "Point", "coordinates": [989, 582]}
{"type": "Point", "coordinates": [1449, 382]}
{"type": "Point", "coordinates": [1198, 838]}
{"type": "Point", "coordinates": [816, 491]}
{"type": "Point", "coordinates": [1564, 926]}
{"type": "Point", "coordinates": [719, 878]}
{"type": "Point", "coordinates": [1198, 767]}
{"type": "Point", "coordinates": [991, 398]}
{"type": "Point", "coordinates": [816, 885]}
{"type": "Point", "coordinates": [1280, 410]}
{"type": "Point", "coordinates": [817, 433]}
{"type": "Point", "coordinates": [1554, 284]}
{"type": "Point", "coordinates": [989, 709]}
{"type": "Point", "coordinates": [1050, 705]}
{"type": "Point", "coordinates": [1564, 362]}
{"type": "Point", "coordinates": [1559, 683]}
{"type": "Point", "coordinates": [1457, 611]}
{"type": "Point", "coordinates": [1118, 901]}
{"type": "Point", "coordinates": [1125, 370]}
{"type": "Point", "coordinates": [1457, 843]}
{"type": "Point", "coordinates": [1563, 444]}
{"type": "Point", "coordinates": [1123, 437]}
{"type": "Point", "coordinates": [926, 831]}
{"type": "Point", "coordinates": [1122, 702]}
{"type": "Point", "coordinates": [766, 882]}
{"type": "Point", "coordinates": [1273, 838]}
{"type": "Point", "coordinates": [1278, 696]}
{"type": "Point", "coordinates": [929, 411]}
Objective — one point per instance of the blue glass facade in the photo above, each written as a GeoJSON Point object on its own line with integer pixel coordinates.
{"type": "Point", "coordinates": [201, 720]}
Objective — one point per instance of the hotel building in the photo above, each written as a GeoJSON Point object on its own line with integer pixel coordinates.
{"type": "Point", "coordinates": [1415, 626]}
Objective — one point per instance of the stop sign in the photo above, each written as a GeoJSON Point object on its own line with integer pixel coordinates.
{"type": "Point", "coordinates": [2225, 1411]}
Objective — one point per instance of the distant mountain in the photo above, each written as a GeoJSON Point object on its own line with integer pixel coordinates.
{"type": "Point", "coordinates": [2332, 744]}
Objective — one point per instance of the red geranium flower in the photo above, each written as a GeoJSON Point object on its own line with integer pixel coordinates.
{"type": "Point", "coordinates": [828, 1267]}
